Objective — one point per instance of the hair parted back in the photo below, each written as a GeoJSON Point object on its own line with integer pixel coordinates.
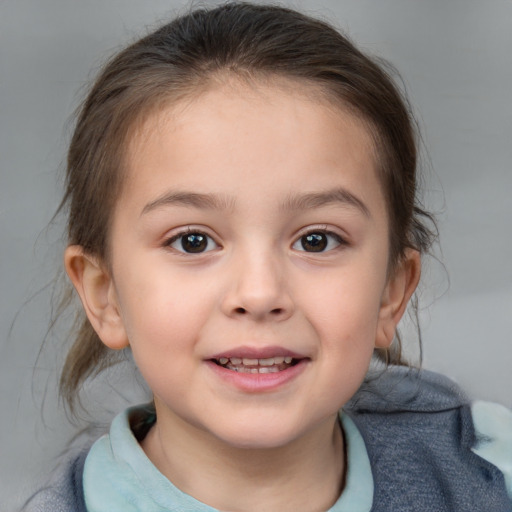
{"type": "Point", "coordinates": [176, 61]}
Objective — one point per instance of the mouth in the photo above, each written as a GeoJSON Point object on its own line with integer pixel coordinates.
{"type": "Point", "coordinates": [258, 370]}
{"type": "Point", "coordinates": [253, 365]}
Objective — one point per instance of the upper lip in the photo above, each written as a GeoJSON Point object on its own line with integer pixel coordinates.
{"type": "Point", "coordinates": [258, 353]}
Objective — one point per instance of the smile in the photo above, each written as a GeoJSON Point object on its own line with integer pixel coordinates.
{"type": "Point", "coordinates": [258, 370]}
{"type": "Point", "coordinates": [252, 365]}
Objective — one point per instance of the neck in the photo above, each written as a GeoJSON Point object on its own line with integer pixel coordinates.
{"type": "Point", "coordinates": [306, 474]}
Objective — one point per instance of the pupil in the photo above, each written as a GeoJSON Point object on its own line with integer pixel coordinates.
{"type": "Point", "coordinates": [314, 242]}
{"type": "Point", "coordinates": [194, 242]}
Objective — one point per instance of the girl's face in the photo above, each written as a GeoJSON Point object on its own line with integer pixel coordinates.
{"type": "Point", "coordinates": [249, 263]}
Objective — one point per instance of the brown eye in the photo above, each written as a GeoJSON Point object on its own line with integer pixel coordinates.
{"type": "Point", "coordinates": [314, 242]}
{"type": "Point", "coordinates": [318, 241]}
{"type": "Point", "coordinates": [195, 242]}
{"type": "Point", "coordinates": [192, 242]}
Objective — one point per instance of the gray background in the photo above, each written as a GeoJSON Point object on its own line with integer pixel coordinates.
{"type": "Point", "coordinates": [456, 60]}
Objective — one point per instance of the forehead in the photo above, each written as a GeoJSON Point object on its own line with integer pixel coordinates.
{"type": "Point", "coordinates": [252, 133]}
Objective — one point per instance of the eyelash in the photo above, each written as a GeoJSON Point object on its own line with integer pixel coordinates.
{"type": "Point", "coordinates": [188, 232]}
{"type": "Point", "coordinates": [322, 245]}
{"type": "Point", "coordinates": [338, 240]}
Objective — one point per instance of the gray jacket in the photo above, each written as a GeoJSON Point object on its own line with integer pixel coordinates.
{"type": "Point", "coordinates": [418, 431]}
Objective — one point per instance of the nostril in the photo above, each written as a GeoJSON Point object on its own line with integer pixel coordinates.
{"type": "Point", "coordinates": [240, 311]}
{"type": "Point", "coordinates": [277, 311]}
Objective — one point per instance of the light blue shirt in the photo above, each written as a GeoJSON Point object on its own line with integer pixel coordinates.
{"type": "Point", "coordinates": [118, 476]}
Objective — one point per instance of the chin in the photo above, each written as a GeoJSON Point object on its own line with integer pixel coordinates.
{"type": "Point", "coordinates": [258, 437]}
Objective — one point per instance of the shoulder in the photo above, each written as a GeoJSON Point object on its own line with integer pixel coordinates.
{"type": "Point", "coordinates": [493, 435]}
{"type": "Point", "coordinates": [421, 432]}
{"type": "Point", "coordinates": [413, 412]}
{"type": "Point", "coordinates": [64, 491]}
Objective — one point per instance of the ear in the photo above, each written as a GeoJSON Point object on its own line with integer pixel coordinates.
{"type": "Point", "coordinates": [97, 293]}
{"type": "Point", "coordinates": [399, 289]}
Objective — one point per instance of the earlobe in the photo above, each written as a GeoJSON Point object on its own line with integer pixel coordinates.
{"type": "Point", "coordinates": [96, 289]}
{"type": "Point", "coordinates": [399, 289]}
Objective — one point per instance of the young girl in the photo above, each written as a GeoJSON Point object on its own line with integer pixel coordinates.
{"type": "Point", "coordinates": [243, 217]}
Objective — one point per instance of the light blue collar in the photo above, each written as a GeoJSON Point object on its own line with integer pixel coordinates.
{"type": "Point", "coordinates": [118, 476]}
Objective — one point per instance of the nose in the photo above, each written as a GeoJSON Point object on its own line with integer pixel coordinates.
{"type": "Point", "coordinates": [258, 289]}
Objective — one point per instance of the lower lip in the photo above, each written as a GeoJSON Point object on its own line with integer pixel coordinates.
{"type": "Point", "coordinates": [258, 382]}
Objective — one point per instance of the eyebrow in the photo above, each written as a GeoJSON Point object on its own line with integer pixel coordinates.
{"type": "Point", "coordinates": [318, 199]}
{"type": "Point", "coordinates": [293, 202]}
{"type": "Point", "coordinates": [190, 199]}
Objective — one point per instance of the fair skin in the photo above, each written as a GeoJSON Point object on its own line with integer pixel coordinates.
{"type": "Point", "coordinates": [251, 225]}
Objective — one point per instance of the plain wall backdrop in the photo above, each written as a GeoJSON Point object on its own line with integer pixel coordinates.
{"type": "Point", "coordinates": [455, 57]}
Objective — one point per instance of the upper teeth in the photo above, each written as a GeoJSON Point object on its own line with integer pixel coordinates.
{"type": "Point", "coordinates": [246, 361]}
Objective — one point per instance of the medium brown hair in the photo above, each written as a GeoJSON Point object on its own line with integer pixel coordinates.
{"type": "Point", "coordinates": [177, 60]}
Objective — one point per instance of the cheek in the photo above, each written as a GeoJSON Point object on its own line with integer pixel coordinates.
{"type": "Point", "coordinates": [156, 311]}
{"type": "Point", "coordinates": [343, 307]}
